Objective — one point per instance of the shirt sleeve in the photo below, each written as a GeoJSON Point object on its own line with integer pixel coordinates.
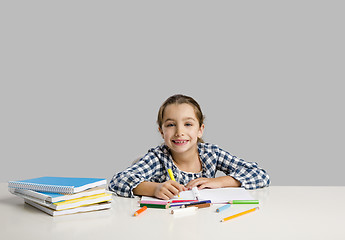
{"type": "Point", "coordinates": [145, 169]}
{"type": "Point", "coordinates": [247, 173]}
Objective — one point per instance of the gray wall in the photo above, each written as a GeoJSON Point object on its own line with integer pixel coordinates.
{"type": "Point", "coordinates": [81, 83]}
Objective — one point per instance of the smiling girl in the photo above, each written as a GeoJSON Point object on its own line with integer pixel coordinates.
{"type": "Point", "coordinates": [193, 162]}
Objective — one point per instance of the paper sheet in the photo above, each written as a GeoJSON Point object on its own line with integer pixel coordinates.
{"type": "Point", "coordinates": [217, 195]}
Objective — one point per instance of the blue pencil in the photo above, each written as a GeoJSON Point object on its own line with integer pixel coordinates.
{"type": "Point", "coordinates": [226, 206]}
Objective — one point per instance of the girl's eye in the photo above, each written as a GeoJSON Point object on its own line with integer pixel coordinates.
{"type": "Point", "coordinates": [170, 125]}
{"type": "Point", "coordinates": [188, 124]}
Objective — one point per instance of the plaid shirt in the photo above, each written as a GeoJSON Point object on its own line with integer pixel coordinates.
{"type": "Point", "coordinates": [154, 165]}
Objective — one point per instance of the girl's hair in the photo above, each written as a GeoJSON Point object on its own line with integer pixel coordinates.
{"type": "Point", "coordinates": [180, 99]}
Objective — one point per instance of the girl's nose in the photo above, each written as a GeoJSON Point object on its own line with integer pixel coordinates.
{"type": "Point", "coordinates": [179, 132]}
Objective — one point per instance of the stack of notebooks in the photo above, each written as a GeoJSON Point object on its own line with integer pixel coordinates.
{"type": "Point", "coordinates": [60, 195]}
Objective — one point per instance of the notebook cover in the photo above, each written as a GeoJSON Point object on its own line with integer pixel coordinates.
{"type": "Point", "coordinates": [57, 184]}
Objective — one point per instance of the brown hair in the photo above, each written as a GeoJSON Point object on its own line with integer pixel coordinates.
{"type": "Point", "coordinates": [180, 99]}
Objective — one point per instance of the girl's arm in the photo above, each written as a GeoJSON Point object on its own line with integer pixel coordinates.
{"type": "Point", "coordinates": [218, 182]}
{"type": "Point", "coordinates": [248, 174]}
{"type": "Point", "coordinates": [123, 183]}
{"type": "Point", "coordinates": [239, 173]}
{"type": "Point", "coordinates": [146, 177]}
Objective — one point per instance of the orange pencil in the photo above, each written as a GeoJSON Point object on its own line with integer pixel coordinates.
{"type": "Point", "coordinates": [239, 214]}
{"type": "Point", "coordinates": [140, 211]}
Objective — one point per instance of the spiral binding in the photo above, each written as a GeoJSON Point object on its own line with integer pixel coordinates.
{"type": "Point", "coordinates": [42, 187]}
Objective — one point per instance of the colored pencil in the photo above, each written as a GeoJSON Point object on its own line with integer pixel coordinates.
{"type": "Point", "coordinates": [171, 175]}
{"type": "Point", "coordinates": [244, 202]}
{"type": "Point", "coordinates": [155, 205]}
{"type": "Point", "coordinates": [182, 201]}
{"type": "Point", "coordinates": [154, 202]}
{"type": "Point", "coordinates": [226, 206]}
{"type": "Point", "coordinates": [239, 214]}
{"type": "Point", "coordinates": [140, 211]}
{"type": "Point", "coordinates": [201, 205]}
{"type": "Point", "coordinates": [196, 203]}
{"type": "Point", "coordinates": [177, 204]}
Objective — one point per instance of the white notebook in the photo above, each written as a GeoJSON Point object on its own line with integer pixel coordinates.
{"type": "Point", "coordinates": [88, 208]}
{"type": "Point", "coordinates": [216, 195]}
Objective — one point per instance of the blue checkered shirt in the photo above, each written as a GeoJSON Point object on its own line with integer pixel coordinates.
{"type": "Point", "coordinates": [153, 167]}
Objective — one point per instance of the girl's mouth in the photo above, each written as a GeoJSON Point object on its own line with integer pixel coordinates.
{"type": "Point", "coordinates": [179, 142]}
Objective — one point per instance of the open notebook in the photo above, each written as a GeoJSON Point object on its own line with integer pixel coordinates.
{"type": "Point", "coordinates": [217, 195]}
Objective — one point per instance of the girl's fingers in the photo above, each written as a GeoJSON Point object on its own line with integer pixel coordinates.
{"type": "Point", "coordinates": [172, 189]}
{"type": "Point", "coordinates": [169, 189]}
{"type": "Point", "coordinates": [204, 185]}
{"type": "Point", "coordinates": [178, 187]}
{"type": "Point", "coordinates": [196, 183]}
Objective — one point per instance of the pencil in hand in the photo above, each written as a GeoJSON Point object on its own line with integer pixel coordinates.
{"type": "Point", "coordinates": [171, 175]}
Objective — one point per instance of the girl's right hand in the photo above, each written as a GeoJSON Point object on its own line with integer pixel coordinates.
{"type": "Point", "coordinates": [168, 190]}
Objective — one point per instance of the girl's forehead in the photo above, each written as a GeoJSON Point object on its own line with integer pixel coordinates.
{"type": "Point", "coordinates": [182, 110]}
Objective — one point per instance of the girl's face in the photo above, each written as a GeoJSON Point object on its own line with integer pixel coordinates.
{"type": "Point", "coordinates": [180, 128]}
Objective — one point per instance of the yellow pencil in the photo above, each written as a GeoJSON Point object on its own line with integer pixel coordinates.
{"type": "Point", "coordinates": [171, 175]}
{"type": "Point", "coordinates": [239, 214]}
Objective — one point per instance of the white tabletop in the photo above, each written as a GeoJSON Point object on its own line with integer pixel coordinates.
{"type": "Point", "coordinates": [285, 213]}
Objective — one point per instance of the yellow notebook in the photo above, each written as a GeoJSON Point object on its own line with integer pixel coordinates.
{"type": "Point", "coordinates": [77, 202]}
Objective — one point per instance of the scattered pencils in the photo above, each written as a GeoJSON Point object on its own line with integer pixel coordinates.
{"type": "Point", "coordinates": [196, 203]}
{"type": "Point", "coordinates": [239, 214]}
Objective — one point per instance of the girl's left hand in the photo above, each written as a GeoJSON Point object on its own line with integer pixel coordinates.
{"type": "Point", "coordinates": [218, 182]}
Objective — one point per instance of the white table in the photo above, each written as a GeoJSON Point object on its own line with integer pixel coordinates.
{"type": "Point", "coordinates": [285, 213]}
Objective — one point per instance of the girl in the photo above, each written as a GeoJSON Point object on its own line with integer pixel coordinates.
{"type": "Point", "coordinates": [193, 162]}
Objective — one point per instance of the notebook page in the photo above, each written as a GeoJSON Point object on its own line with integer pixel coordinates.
{"type": "Point", "coordinates": [217, 195]}
{"type": "Point", "coordinates": [223, 195]}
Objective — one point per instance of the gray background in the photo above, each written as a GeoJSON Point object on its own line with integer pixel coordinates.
{"type": "Point", "coordinates": [81, 83]}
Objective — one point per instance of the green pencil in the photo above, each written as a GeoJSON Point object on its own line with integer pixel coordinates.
{"type": "Point", "coordinates": [244, 202]}
{"type": "Point", "coordinates": [155, 205]}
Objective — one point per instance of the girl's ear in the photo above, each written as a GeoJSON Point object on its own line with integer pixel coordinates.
{"type": "Point", "coordinates": [201, 131]}
{"type": "Point", "coordinates": [161, 131]}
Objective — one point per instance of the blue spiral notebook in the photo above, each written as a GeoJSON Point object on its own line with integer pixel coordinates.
{"type": "Point", "coordinates": [64, 185]}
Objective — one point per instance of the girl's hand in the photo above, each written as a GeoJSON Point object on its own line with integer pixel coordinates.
{"type": "Point", "coordinates": [224, 181]}
{"type": "Point", "coordinates": [168, 190]}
